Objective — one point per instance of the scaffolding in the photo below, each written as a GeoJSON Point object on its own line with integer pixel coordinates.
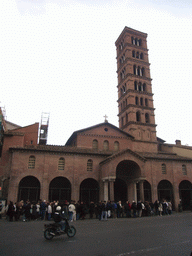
{"type": "Point", "coordinates": [43, 133]}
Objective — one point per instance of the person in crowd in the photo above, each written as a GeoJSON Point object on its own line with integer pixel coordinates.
{"type": "Point", "coordinates": [104, 211]}
{"type": "Point", "coordinates": [10, 211]}
{"type": "Point", "coordinates": [72, 211]}
{"type": "Point", "coordinates": [91, 209]}
{"type": "Point", "coordinates": [108, 208]}
{"type": "Point", "coordinates": [38, 212]}
{"type": "Point", "coordinates": [78, 210]}
{"type": "Point", "coordinates": [43, 206]}
{"type": "Point", "coordinates": [134, 209]}
{"type": "Point", "coordinates": [49, 211]}
{"type": "Point", "coordinates": [169, 207]}
{"type": "Point", "coordinates": [147, 208]}
{"type": "Point", "coordinates": [139, 209]}
{"type": "Point", "coordinates": [119, 210]}
{"type": "Point", "coordinates": [82, 211]}
{"type": "Point", "coordinates": [160, 208]}
{"type": "Point", "coordinates": [165, 207]}
{"type": "Point", "coordinates": [28, 211]}
{"type": "Point", "coordinates": [114, 209]}
{"type": "Point", "coordinates": [127, 209]}
{"type": "Point", "coordinates": [33, 211]}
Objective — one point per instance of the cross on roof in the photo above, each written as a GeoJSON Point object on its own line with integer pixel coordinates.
{"type": "Point", "coordinates": [105, 116]}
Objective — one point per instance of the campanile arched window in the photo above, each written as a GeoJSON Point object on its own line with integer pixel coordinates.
{"type": "Point", "coordinates": [138, 116]}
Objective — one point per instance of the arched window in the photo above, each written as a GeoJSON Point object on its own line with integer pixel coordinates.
{"type": "Point", "coordinates": [136, 41]}
{"type": "Point", "coordinates": [133, 54]}
{"type": "Point", "coordinates": [31, 163]}
{"type": "Point", "coordinates": [95, 144]}
{"type": "Point", "coordinates": [143, 72]}
{"type": "Point", "coordinates": [126, 118]}
{"type": "Point", "coordinates": [122, 121]}
{"type": "Point", "coordinates": [133, 40]}
{"type": "Point", "coordinates": [137, 55]}
{"type": "Point", "coordinates": [116, 146]}
{"type": "Point", "coordinates": [140, 42]}
{"type": "Point", "coordinates": [144, 87]}
{"type": "Point", "coordinates": [146, 102]}
{"type": "Point", "coordinates": [140, 87]}
{"type": "Point", "coordinates": [135, 70]}
{"type": "Point", "coordinates": [163, 168]}
{"type": "Point", "coordinates": [138, 116]}
{"type": "Point", "coordinates": [138, 71]}
{"type": "Point", "coordinates": [184, 169]}
{"type": "Point", "coordinates": [136, 100]}
{"type": "Point", "coordinates": [106, 145]}
{"type": "Point", "coordinates": [141, 101]}
{"type": "Point", "coordinates": [146, 118]}
{"type": "Point", "coordinates": [135, 83]}
{"type": "Point", "coordinates": [61, 164]}
{"type": "Point", "coordinates": [89, 165]}
{"type": "Point", "coordinates": [141, 56]}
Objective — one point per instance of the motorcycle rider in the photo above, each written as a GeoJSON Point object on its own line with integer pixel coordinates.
{"type": "Point", "coordinates": [58, 218]}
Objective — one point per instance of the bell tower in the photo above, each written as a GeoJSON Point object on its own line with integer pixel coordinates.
{"type": "Point", "coordinates": [135, 97]}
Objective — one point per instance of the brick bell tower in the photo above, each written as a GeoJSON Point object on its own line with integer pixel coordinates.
{"type": "Point", "coordinates": [135, 97]}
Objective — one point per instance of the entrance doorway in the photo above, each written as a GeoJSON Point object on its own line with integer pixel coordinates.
{"type": "Point", "coordinates": [126, 172]}
{"type": "Point", "coordinates": [120, 191]}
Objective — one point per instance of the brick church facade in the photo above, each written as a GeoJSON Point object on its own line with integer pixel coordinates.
{"type": "Point", "coordinates": [102, 162]}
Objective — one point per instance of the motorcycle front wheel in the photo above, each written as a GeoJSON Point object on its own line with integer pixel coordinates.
{"type": "Point", "coordinates": [48, 233]}
{"type": "Point", "coordinates": [71, 231]}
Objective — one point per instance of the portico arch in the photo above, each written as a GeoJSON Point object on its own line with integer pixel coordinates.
{"type": "Point", "coordinates": [60, 189]}
{"type": "Point", "coordinates": [128, 174]}
{"type": "Point", "coordinates": [89, 191]}
{"type": "Point", "coordinates": [165, 190]}
{"type": "Point", "coordinates": [185, 192]}
{"type": "Point", "coordinates": [29, 188]}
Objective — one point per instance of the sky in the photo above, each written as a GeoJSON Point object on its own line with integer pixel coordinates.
{"type": "Point", "coordinates": [59, 57]}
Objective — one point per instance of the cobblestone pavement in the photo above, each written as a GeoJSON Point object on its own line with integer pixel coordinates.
{"type": "Point", "coordinates": [165, 236]}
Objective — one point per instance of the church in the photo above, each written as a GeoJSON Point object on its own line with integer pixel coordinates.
{"type": "Point", "coordinates": [101, 162]}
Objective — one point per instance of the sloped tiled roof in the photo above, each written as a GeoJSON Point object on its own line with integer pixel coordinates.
{"type": "Point", "coordinates": [164, 156]}
{"type": "Point", "coordinates": [60, 149]}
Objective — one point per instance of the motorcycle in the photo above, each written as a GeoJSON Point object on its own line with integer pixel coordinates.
{"type": "Point", "coordinates": [54, 229]}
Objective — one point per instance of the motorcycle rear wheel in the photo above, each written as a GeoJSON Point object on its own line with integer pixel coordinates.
{"type": "Point", "coordinates": [47, 233]}
{"type": "Point", "coordinates": [71, 231]}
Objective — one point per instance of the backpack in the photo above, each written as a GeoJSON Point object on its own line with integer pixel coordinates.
{"type": "Point", "coordinates": [57, 217]}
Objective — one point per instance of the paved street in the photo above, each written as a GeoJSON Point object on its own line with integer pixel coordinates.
{"type": "Point", "coordinates": [167, 235]}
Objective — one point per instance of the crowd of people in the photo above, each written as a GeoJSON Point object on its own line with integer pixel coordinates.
{"type": "Point", "coordinates": [43, 210]}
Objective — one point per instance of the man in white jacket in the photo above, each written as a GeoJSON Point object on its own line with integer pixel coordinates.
{"type": "Point", "coordinates": [72, 211]}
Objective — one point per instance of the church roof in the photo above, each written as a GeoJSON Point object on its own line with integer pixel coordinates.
{"type": "Point", "coordinates": [163, 156]}
{"type": "Point", "coordinates": [60, 149]}
{"type": "Point", "coordinates": [97, 126]}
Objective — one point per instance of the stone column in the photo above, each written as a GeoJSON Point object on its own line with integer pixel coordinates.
{"type": "Point", "coordinates": [135, 191]}
{"type": "Point", "coordinates": [141, 189]}
{"type": "Point", "coordinates": [105, 190]}
{"type": "Point", "coordinates": [111, 184]}
{"type": "Point", "coordinates": [176, 195]}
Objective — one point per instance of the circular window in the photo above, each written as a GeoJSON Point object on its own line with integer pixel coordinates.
{"type": "Point", "coordinates": [106, 129]}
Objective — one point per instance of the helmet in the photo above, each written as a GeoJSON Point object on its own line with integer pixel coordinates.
{"type": "Point", "coordinates": [58, 208]}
